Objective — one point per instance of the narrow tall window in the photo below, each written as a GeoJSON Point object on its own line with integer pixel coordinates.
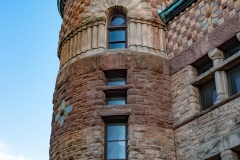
{"type": "Point", "coordinates": [234, 80]}
{"type": "Point", "coordinates": [116, 141]}
{"type": "Point", "coordinates": [208, 95]}
{"type": "Point", "coordinates": [117, 33]}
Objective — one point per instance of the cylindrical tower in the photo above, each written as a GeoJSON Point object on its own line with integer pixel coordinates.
{"type": "Point", "coordinates": [112, 97]}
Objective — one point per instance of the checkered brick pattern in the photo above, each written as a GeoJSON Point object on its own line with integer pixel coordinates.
{"type": "Point", "coordinates": [185, 29]}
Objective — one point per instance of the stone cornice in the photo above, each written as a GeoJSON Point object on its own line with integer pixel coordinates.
{"type": "Point", "coordinates": [174, 9]}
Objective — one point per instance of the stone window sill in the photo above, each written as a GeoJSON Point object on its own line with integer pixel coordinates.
{"type": "Point", "coordinates": [105, 88]}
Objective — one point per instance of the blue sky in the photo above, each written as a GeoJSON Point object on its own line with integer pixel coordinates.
{"type": "Point", "coordinates": [29, 32]}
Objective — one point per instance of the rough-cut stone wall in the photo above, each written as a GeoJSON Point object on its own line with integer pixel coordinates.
{"type": "Point", "coordinates": [186, 29]}
{"type": "Point", "coordinates": [185, 97]}
{"type": "Point", "coordinates": [81, 84]}
{"type": "Point", "coordinates": [210, 134]}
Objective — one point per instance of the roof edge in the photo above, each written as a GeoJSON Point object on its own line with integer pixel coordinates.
{"type": "Point", "coordinates": [60, 4]}
{"type": "Point", "coordinates": [174, 9]}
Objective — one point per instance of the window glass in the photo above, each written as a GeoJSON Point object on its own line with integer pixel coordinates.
{"type": "Point", "coordinates": [116, 101]}
{"type": "Point", "coordinates": [118, 35]}
{"type": "Point", "coordinates": [116, 132]}
{"type": "Point", "coordinates": [117, 45]}
{"type": "Point", "coordinates": [208, 95]}
{"type": "Point", "coordinates": [233, 51]}
{"type": "Point", "coordinates": [116, 141]}
{"type": "Point", "coordinates": [234, 77]}
{"type": "Point", "coordinates": [117, 20]}
{"type": "Point", "coordinates": [116, 81]}
{"type": "Point", "coordinates": [205, 68]}
{"type": "Point", "coordinates": [116, 150]}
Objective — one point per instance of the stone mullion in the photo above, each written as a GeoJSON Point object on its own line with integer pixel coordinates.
{"type": "Point", "coordinates": [150, 36]}
{"type": "Point", "coordinates": [61, 58]}
{"type": "Point", "coordinates": [68, 51]}
{"type": "Point", "coordinates": [94, 37]}
{"type": "Point", "coordinates": [84, 39]}
{"type": "Point", "coordinates": [71, 47]}
{"type": "Point", "coordinates": [145, 37]}
{"type": "Point", "coordinates": [89, 39]}
{"type": "Point", "coordinates": [220, 76]}
{"type": "Point", "coordinates": [132, 35]}
{"type": "Point", "coordinates": [162, 43]}
{"type": "Point", "coordinates": [101, 36]}
{"type": "Point", "coordinates": [79, 43]}
{"type": "Point", "coordinates": [139, 36]}
{"type": "Point", "coordinates": [155, 39]}
{"type": "Point", "coordinates": [75, 45]}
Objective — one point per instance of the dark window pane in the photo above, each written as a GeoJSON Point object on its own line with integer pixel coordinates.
{"type": "Point", "coordinates": [116, 150]}
{"type": "Point", "coordinates": [116, 101]}
{"type": "Point", "coordinates": [117, 20]}
{"type": "Point", "coordinates": [206, 67]}
{"type": "Point", "coordinates": [117, 35]}
{"type": "Point", "coordinates": [117, 45]}
{"type": "Point", "coordinates": [233, 51]}
{"type": "Point", "coordinates": [234, 76]}
{"type": "Point", "coordinates": [116, 81]}
{"type": "Point", "coordinates": [209, 95]}
{"type": "Point", "coordinates": [116, 132]}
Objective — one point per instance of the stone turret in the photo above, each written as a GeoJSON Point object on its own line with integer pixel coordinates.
{"type": "Point", "coordinates": [102, 85]}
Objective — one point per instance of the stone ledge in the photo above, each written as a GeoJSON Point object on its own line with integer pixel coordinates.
{"type": "Point", "coordinates": [225, 65]}
{"type": "Point", "coordinates": [114, 111]}
{"type": "Point", "coordinates": [104, 88]}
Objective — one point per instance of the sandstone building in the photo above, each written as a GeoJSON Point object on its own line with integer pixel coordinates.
{"type": "Point", "coordinates": [147, 80]}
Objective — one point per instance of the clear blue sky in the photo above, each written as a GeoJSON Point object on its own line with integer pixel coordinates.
{"type": "Point", "coordinates": [29, 32]}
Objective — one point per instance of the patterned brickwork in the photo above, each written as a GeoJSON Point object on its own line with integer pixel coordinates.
{"type": "Point", "coordinates": [186, 29]}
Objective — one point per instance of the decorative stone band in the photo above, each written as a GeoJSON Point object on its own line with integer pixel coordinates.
{"type": "Point", "coordinates": [143, 36]}
{"type": "Point", "coordinates": [146, 37]}
{"type": "Point", "coordinates": [91, 38]}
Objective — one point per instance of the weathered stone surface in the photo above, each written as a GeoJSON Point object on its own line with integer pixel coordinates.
{"type": "Point", "coordinates": [209, 149]}
{"type": "Point", "coordinates": [232, 139]}
{"type": "Point", "coordinates": [229, 155]}
{"type": "Point", "coordinates": [114, 60]}
{"type": "Point", "coordinates": [147, 62]}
